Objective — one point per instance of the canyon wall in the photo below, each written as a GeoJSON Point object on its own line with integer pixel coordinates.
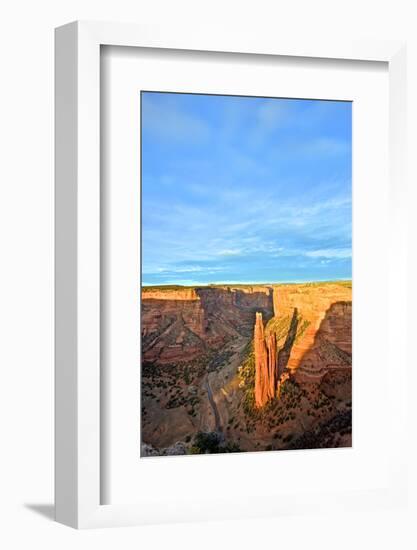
{"type": "Point", "coordinates": [332, 345]}
{"type": "Point", "coordinates": [181, 294]}
{"type": "Point", "coordinates": [321, 321]}
{"type": "Point", "coordinates": [181, 325]}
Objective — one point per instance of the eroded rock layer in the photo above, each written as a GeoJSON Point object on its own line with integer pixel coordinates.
{"type": "Point", "coordinates": [319, 337]}
{"type": "Point", "coordinates": [182, 325]}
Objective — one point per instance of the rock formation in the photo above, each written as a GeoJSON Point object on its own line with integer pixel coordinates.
{"type": "Point", "coordinates": [322, 309]}
{"type": "Point", "coordinates": [182, 325]}
{"type": "Point", "coordinates": [266, 374]}
{"type": "Point", "coordinates": [331, 349]}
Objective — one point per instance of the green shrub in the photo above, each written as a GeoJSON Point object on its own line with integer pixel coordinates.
{"type": "Point", "coordinates": [212, 443]}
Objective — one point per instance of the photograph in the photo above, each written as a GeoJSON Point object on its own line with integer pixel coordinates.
{"type": "Point", "coordinates": [246, 274]}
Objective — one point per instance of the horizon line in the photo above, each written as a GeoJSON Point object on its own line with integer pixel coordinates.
{"type": "Point", "coordinates": [229, 283]}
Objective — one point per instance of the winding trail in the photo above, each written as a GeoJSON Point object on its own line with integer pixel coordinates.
{"type": "Point", "coordinates": [218, 426]}
{"type": "Point", "coordinates": [222, 408]}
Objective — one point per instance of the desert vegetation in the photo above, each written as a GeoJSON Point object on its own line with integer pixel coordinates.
{"type": "Point", "coordinates": [198, 380]}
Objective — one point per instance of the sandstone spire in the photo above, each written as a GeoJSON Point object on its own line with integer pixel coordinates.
{"type": "Point", "coordinates": [272, 364]}
{"type": "Point", "coordinates": [265, 363]}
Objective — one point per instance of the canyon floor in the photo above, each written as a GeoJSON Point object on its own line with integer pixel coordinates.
{"type": "Point", "coordinates": [198, 368]}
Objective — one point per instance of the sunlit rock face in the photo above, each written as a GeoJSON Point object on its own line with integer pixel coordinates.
{"type": "Point", "coordinates": [331, 348]}
{"type": "Point", "coordinates": [322, 339]}
{"type": "Point", "coordinates": [265, 349]}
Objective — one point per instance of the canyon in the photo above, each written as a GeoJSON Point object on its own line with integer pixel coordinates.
{"type": "Point", "coordinates": [184, 324]}
{"type": "Point", "coordinates": [257, 366]}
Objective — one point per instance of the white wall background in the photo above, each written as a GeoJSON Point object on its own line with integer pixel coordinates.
{"type": "Point", "coordinates": [26, 289]}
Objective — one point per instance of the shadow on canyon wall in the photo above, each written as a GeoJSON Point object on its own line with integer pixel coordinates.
{"type": "Point", "coordinates": [332, 345]}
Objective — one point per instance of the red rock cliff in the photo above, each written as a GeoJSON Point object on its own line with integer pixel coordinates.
{"type": "Point", "coordinates": [181, 325]}
{"type": "Point", "coordinates": [265, 363]}
{"type": "Point", "coordinates": [327, 310]}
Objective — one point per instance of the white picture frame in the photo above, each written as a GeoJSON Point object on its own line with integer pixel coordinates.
{"type": "Point", "coordinates": [78, 411]}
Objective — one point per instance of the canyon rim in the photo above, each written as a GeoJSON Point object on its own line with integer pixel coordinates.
{"type": "Point", "coordinates": [246, 290]}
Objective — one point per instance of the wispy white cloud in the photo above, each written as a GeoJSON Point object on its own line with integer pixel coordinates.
{"type": "Point", "coordinates": [330, 253]}
{"type": "Point", "coordinates": [230, 252]}
{"type": "Point", "coordinates": [244, 226]}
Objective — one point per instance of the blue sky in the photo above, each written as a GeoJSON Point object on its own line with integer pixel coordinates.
{"type": "Point", "coordinates": [245, 190]}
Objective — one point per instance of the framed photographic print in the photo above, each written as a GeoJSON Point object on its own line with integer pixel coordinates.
{"type": "Point", "coordinates": [227, 220]}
